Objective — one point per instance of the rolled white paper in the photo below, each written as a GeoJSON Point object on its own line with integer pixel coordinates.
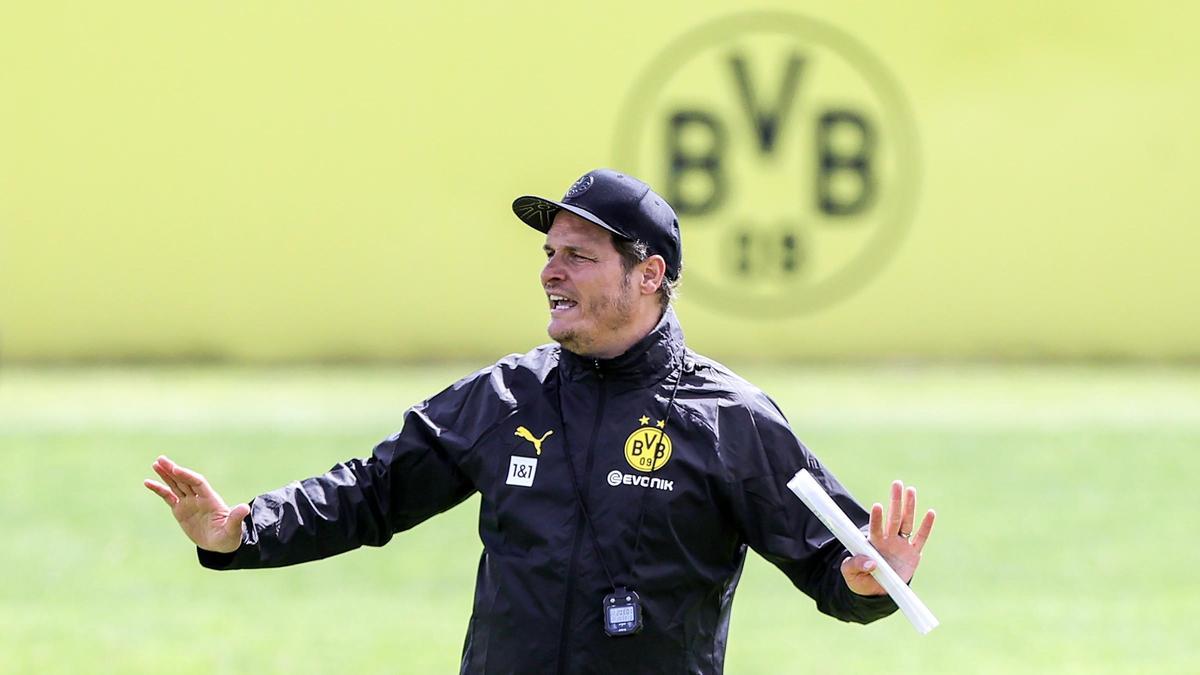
{"type": "Point", "coordinates": [821, 504]}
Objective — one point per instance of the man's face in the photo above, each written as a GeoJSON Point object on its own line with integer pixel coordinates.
{"type": "Point", "coordinates": [591, 297]}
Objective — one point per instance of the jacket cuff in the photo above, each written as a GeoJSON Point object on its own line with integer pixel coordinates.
{"type": "Point", "coordinates": [883, 602]}
{"type": "Point", "coordinates": [214, 560]}
{"type": "Point", "coordinates": [873, 606]}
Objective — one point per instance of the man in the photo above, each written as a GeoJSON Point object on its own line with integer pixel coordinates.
{"type": "Point", "coordinates": [622, 475]}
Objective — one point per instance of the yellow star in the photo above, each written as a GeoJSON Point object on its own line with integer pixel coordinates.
{"type": "Point", "coordinates": [644, 420]}
{"type": "Point", "coordinates": [661, 424]}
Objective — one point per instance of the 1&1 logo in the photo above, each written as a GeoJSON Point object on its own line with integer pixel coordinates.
{"type": "Point", "coordinates": [788, 152]}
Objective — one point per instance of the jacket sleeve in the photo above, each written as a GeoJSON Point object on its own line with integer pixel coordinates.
{"type": "Point", "coordinates": [780, 528]}
{"type": "Point", "coordinates": [409, 477]}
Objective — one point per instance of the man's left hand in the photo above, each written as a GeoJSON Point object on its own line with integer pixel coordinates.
{"type": "Point", "coordinates": [895, 541]}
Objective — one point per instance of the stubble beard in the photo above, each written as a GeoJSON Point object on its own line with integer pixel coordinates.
{"type": "Point", "coordinates": [614, 312]}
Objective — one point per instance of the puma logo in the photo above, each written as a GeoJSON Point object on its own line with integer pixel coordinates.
{"type": "Point", "coordinates": [528, 435]}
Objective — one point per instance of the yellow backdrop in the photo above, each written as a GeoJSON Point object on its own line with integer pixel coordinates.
{"type": "Point", "coordinates": [293, 180]}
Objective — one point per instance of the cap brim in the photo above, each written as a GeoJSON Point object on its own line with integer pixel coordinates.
{"type": "Point", "coordinates": [538, 213]}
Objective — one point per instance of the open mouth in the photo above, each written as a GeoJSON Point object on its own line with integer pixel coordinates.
{"type": "Point", "coordinates": [560, 303]}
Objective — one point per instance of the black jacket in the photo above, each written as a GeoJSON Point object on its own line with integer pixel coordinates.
{"type": "Point", "coordinates": [505, 432]}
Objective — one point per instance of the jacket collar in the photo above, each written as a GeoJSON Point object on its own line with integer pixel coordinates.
{"type": "Point", "coordinates": [651, 358]}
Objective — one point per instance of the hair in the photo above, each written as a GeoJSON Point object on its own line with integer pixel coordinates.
{"type": "Point", "coordinates": [632, 253]}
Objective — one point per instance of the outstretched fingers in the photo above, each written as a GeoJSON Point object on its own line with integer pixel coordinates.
{"type": "Point", "coordinates": [918, 541]}
{"type": "Point", "coordinates": [162, 491]}
{"type": "Point", "coordinates": [876, 522]}
{"type": "Point", "coordinates": [192, 481]}
{"type": "Point", "coordinates": [163, 467]}
{"type": "Point", "coordinates": [908, 511]}
{"type": "Point", "coordinates": [893, 524]}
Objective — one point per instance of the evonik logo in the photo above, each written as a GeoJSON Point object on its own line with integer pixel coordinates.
{"type": "Point", "coordinates": [616, 478]}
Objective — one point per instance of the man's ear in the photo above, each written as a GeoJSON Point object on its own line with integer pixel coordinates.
{"type": "Point", "coordinates": [652, 276]}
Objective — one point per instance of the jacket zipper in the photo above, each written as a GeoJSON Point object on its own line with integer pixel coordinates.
{"type": "Point", "coordinates": [579, 525]}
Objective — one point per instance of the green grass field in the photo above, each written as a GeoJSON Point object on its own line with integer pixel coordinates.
{"type": "Point", "coordinates": [1065, 540]}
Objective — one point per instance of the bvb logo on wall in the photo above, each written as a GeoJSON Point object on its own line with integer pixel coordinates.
{"type": "Point", "coordinates": [788, 152]}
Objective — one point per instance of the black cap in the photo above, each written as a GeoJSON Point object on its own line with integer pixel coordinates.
{"type": "Point", "coordinates": [619, 203]}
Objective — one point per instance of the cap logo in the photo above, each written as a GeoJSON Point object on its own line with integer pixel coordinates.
{"type": "Point", "coordinates": [535, 212]}
{"type": "Point", "coordinates": [581, 186]}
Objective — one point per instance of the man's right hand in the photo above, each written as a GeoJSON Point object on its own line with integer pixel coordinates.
{"type": "Point", "coordinates": [201, 512]}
